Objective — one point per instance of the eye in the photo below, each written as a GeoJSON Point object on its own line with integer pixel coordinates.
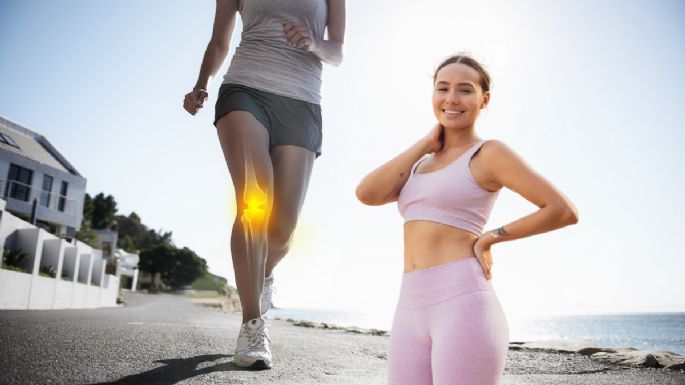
{"type": "Point", "coordinates": [441, 89]}
{"type": "Point", "coordinates": [466, 91]}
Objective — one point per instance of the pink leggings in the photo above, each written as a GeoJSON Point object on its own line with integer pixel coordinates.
{"type": "Point", "coordinates": [449, 328]}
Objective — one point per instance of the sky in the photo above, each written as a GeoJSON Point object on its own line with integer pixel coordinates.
{"type": "Point", "coordinates": [589, 93]}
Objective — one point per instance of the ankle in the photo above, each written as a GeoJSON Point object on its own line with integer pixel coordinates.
{"type": "Point", "coordinates": [249, 317]}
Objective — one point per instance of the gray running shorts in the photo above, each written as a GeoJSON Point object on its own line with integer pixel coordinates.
{"type": "Point", "coordinates": [289, 121]}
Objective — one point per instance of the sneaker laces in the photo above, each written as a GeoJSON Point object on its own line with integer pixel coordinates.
{"type": "Point", "coordinates": [256, 338]}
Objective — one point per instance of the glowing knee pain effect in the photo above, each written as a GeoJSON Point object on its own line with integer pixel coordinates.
{"type": "Point", "coordinates": [255, 214]}
{"type": "Point", "coordinates": [256, 203]}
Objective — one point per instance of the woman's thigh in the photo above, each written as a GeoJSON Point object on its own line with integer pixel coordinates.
{"type": "Point", "coordinates": [245, 144]}
{"type": "Point", "coordinates": [409, 353]}
{"type": "Point", "coordinates": [470, 340]}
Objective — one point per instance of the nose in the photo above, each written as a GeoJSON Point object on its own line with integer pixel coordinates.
{"type": "Point", "coordinates": [452, 97]}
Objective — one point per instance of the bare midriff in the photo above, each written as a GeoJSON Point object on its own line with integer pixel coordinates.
{"type": "Point", "coordinates": [428, 244]}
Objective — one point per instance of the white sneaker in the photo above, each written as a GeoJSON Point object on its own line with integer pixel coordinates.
{"type": "Point", "coordinates": [267, 293]}
{"type": "Point", "coordinates": [252, 350]}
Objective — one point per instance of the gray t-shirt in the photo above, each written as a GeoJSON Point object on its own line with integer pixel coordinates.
{"type": "Point", "coordinates": [265, 61]}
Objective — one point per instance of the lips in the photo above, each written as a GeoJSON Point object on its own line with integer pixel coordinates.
{"type": "Point", "coordinates": [452, 112]}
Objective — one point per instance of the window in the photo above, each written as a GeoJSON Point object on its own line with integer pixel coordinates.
{"type": "Point", "coordinates": [46, 194]}
{"type": "Point", "coordinates": [63, 196]}
{"type": "Point", "coordinates": [4, 138]}
{"type": "Point", "coordinates": [19, 183]}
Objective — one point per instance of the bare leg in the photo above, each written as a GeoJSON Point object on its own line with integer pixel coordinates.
{"type": "Point", "coordinates": [292, 167]}
{"type": "Point", "coordinates": [245, 144]}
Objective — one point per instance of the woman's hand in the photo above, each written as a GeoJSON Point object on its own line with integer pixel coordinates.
{"type": "Point", "coordinates": [435, 139]}
{"type": "Point", "coordinates": [481, 249]}
{"type": "Point", "coordinates": [194, 100]}
{"type": "Point", "coordinates": [299, 35]}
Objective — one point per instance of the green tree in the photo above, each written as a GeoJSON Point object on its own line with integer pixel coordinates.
{"type": "Point", "coordinates": [185, 268]}
{"type": "Point", "coordinates": [87, 211]}
{"type": "Point", "coordinates": [103, 212]}
{"type": "Point", "coordinates": [156, 260]}
{"type": "Point", "coordinates": [176, 267]}
{"type": "Point", "coordinates": [135, 236]}
{"type": "Point", "coordinates": [85, 233]}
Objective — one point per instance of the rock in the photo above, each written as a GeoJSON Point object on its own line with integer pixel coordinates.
{"type": "Point", "coordinates": [680, 366]}
{"type": "Point", "coordinates": [514, 345]}
{"type": "Point", "coordinates": [638, 358]}
{"type": "Point", "coordinates": [328, 326]}
{"type": "Point", "coordinates": [377, 332]}
{"type": "Point", "coordinates": [556, 346]}
{"type": "Point", "coordinates": [651, 362]}
{"type": "Point", "coordinates": [307, 324]}
{"type": "Point", "coordinates": [591, 351]}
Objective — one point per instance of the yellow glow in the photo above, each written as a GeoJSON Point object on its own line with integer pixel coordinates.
{"type": "Point", "coordinates": [256, 202]}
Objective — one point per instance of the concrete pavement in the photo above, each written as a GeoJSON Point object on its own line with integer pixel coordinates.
{"type": "Point", "coordinates": [165, 339]}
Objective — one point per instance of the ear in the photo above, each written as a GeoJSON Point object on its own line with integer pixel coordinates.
{"type": "Point", "coordinates": [486, 100]}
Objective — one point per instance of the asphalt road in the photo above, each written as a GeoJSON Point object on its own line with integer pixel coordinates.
{"type": "Point", "coordinates": [165, 339]}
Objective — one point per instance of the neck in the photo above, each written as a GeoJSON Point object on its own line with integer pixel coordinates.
{"type": "Point", "coordinates": [458, 138]}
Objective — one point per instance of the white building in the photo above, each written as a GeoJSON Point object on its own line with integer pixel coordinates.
{"type": "Point", "coordinates": [34, 176]}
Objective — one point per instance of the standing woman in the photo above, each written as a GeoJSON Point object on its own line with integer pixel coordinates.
{"type": "Point", "coordinates": [268, 120]}
{"type": "Point", "coordinates": [449, 327]}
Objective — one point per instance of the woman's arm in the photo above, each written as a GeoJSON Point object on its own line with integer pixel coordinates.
{"type": "Point", "coordinates": [507, 169]}
{"type": "Point", "coordinates": [327, 50]}
{"type": "Point", "coordinates": [215, 54]}
{"type": "Point", "coordinates": [383, 185]}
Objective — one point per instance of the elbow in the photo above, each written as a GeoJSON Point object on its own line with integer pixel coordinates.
{"type": "Point", "coordinates": [572, 215]}
{"type": "Point", "coordinates": [567, 214]}
{"type": "Point", "coordinates": [216, 45]}
{"type": "Point", "coordinates": [366, 197]}
{"type": "Point", "coordinates": [363, 196]}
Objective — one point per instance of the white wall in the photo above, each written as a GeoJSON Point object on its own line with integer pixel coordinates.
{"type": "Point", "coordinates": [70, 263]}
{"type": "Point", "coordinates": [79, 261]}
{"type": "Point", "coordinates": [98, 268]}
{"type": "Point", "coordinates": [8, 227]}
{"type": "Point", "coordinates": [85, 269]}
{"type": "Point", "coordinates": [14, 289]}
{"type": "Point", "coordinates": [63, 294]}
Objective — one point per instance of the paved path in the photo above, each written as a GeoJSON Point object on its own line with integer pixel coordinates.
{"type": "Point", "coordinates": [165, 339]}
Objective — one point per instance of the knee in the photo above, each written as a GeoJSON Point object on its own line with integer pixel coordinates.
{"type": "Point", "coordinates": [254, 206]}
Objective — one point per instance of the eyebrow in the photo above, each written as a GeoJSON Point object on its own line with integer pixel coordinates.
{"type": "Point", "coordinates": [440, 82]}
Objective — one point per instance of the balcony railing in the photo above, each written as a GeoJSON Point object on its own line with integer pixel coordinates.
{"type": "Point", "coordinates": [13, 190]}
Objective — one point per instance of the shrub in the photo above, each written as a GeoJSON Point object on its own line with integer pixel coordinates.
{"type": "Point", "coordinates": [12, 259]}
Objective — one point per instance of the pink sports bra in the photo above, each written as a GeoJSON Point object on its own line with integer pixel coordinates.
{"type": "Point", "coordinates": [450, 195]}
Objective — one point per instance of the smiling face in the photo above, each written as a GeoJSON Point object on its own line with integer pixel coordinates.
{"type": "Point", "coordinates": [458, 96]}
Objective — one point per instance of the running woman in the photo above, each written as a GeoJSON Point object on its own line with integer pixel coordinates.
{"type": "Point", "coordinates": [268, 120]}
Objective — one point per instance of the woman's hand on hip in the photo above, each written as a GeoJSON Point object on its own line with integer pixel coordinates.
{"type": "Point", "coordinates": [194, 100]}
{"type": "Point", "coordinates": [481, 249]}
{"type": "Point", "coordinates": [299, 35]}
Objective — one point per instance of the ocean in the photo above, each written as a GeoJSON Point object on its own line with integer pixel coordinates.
{"type": "Point", "coordinates": [644, 331]}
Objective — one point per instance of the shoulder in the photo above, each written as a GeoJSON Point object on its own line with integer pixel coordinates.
{"type": "Point", "coordinates": [493, 148]}
{"type": "Point", "coordinates": [497, 155]}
